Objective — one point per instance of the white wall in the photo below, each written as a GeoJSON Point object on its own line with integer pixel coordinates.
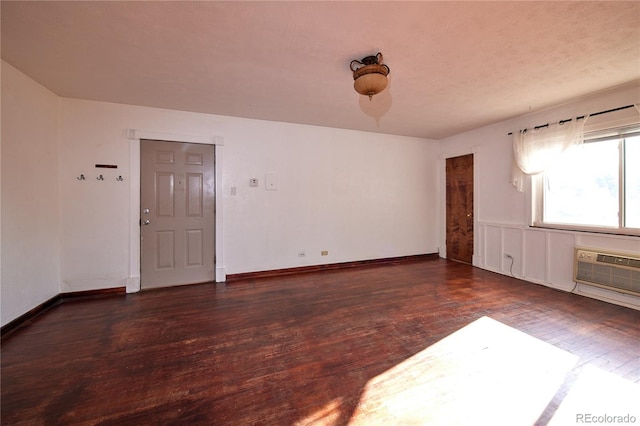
{"type": "Point", "coordinates": [30, 210]}
{"type": "Point", "coordinates": [358, 195]}
{"type": "Point", "coordinates": [540, 256]}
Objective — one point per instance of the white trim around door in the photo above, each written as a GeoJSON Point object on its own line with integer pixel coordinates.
{"type": "Point", "coordinates": [134, 136]}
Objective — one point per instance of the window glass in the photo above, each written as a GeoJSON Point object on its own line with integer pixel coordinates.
{"type": "Point", "coordinates": [632, 182]}
{"type": "Point", "coordinates": [582, 187]}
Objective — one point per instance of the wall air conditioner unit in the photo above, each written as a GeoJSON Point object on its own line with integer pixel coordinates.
{"type": "Point", "coordinates": [613, 271]}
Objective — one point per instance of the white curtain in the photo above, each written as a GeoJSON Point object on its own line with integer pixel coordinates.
{"type": "Point", "coordinates": [534, 150]}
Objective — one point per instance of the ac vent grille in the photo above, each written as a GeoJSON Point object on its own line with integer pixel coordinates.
{"type": "Point", "coordinates": [614, 271]}
{"type": "Point", "coordinates": [616, 260]}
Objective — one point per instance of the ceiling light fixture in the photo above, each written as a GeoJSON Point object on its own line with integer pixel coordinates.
{"type": "Point", "coordinates": [369, 75]}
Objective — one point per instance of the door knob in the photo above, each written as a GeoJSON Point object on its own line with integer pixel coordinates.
{"type": "Point", "coordinates": [146, 222]}
{"type": "Point", "coordinates": [468, 214]}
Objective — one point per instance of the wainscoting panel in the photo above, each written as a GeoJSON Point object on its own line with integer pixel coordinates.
{"type": "Point", "coordinates": [493, 247]}
{"type": "Point", "coordinates": [535, 259]}
{"type": "Point", "coordinates": [512, 245]}
{"type": "Point", "coordinates": [560, 251]}
{"type": "Point", "coordinates": [545, 256]}
{"type": "Point", "coordinates": [608, 242]}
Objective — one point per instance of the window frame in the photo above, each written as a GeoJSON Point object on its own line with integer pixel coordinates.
{"type": "Point", "coordinates": [612, 130]}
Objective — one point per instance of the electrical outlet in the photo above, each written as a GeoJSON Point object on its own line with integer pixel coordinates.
{"type": "Point", "coordinates": [324, 253]}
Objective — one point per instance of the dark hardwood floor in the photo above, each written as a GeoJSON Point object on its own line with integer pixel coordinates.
{"type": "Point", "coordinates": [299, 349]}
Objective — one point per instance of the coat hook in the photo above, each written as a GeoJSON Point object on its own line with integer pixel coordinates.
{"type": "Point", "coordinates": [81, 177]}
{"type": "Point", "coordinates": [119, 178]}
{"type": "Point", "coordinates": [100, 177]}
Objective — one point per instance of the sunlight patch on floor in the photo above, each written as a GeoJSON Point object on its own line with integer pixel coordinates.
{"type": "Point", "coordinates": [486, 373]}
{"type": "Point", "coordinates": [599, 397]}
{"type": "Point", "coordinates": [327, 415]}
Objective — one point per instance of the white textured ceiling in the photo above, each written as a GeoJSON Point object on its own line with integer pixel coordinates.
{"type": "Point", "coordinates": [455, 66]}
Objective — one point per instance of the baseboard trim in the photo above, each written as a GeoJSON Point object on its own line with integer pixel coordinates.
{"type": "Point", "coordinates": [330, 266]}
{"type": "Point", "coordinates": [25, 318]}
{"type": "Point", "coordinates": [56, 300]}
{"type": "Point", "coordinates": [88, 294]}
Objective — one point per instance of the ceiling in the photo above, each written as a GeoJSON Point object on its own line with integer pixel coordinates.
{"type": "Point", "coordinates": [455, 66]}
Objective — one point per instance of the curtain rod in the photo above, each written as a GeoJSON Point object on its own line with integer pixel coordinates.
{"type": "Point", "coordinates": [583, 116]}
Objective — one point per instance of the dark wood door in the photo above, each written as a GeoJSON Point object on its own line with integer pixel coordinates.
{"type": "Point", "coordinates": [459, 213]}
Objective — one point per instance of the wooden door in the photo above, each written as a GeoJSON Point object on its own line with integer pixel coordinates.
{"type": "Point", "coordinates": [177, 193]}
{"type": "Point", "coordinates": [459, 200]}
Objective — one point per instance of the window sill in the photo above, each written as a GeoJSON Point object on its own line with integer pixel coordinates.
{"type": "Point", "coordinates": [589, 229]}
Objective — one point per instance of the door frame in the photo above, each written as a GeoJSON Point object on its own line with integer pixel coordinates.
{"type": "Point", "coordinates": [134, 136]}
{"type": "Point", "coordinates": [443, 201]}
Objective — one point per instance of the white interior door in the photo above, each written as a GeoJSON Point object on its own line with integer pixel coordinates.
{"type": "Point", "coordinates": [177, 200]}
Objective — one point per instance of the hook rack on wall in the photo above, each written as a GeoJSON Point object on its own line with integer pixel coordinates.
{"type": "Point", "coordinates": [100, 177]}
{"type": "Point", "coordinates": [118, 178]}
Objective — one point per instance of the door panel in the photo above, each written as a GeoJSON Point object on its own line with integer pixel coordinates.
{"type": "Point", "coordinates": [165, 250]}
{"type": "Point", "coordinates": [459, 208]}
{"type": "Point", "coordinates": [194, 247]}
{"type": "Point", "coordinates": [194, 195]}
{"type": "Point", "coordinates": [165, 195]}
{"type": "Point", "coordinates": [177, 213]}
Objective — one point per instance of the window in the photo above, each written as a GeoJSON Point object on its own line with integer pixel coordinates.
{"type": "Point", "coordinates": [594, 186]}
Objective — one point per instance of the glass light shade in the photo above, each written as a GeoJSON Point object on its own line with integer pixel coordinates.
{"type": "Point", "coordinates": [369, 75]}
{"type": "Point", "coordinates": [370, 84]}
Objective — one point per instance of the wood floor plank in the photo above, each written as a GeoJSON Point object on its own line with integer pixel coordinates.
{"type": "Point", "coordinates": [296, 349]}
